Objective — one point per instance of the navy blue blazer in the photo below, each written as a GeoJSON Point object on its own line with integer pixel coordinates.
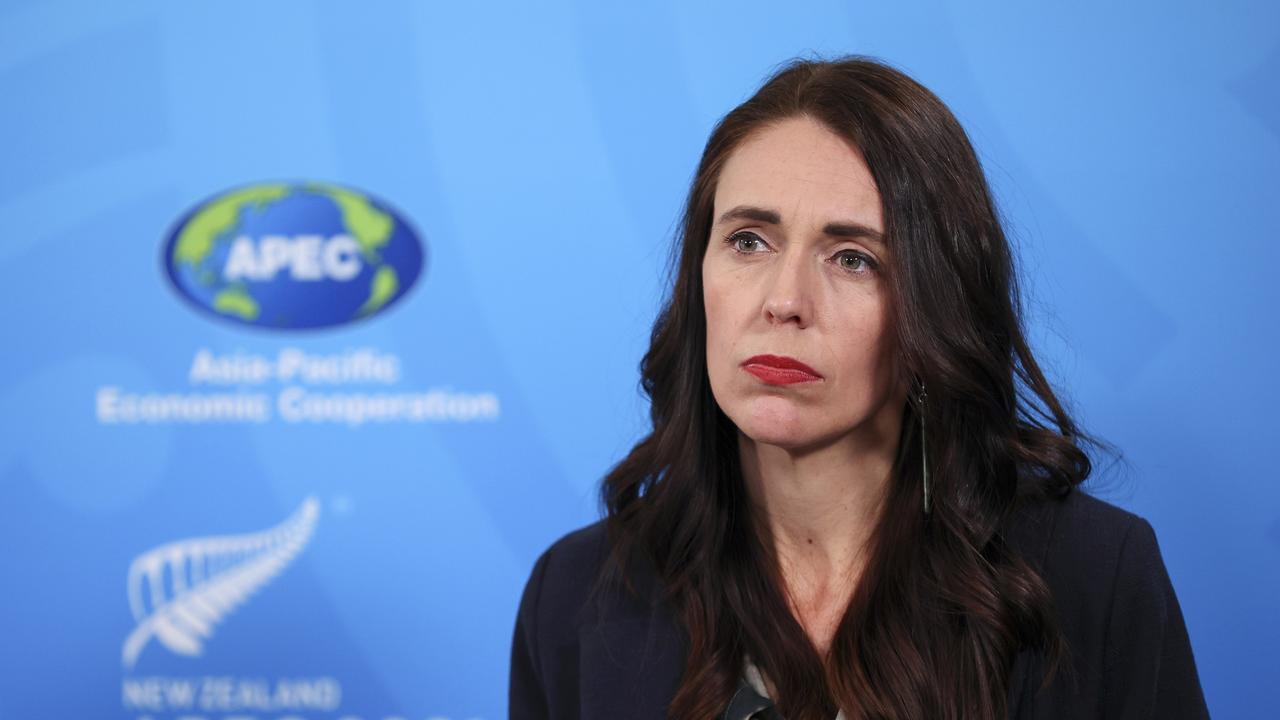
{"type": "Point", "coordinates": [622, 657]}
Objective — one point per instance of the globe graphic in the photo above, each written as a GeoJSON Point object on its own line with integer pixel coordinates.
{"type": "Point", "coordinates": [258, 226]}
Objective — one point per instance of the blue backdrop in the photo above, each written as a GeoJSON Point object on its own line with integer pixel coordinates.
{"type": "Point", "coordinates": [226, 517]}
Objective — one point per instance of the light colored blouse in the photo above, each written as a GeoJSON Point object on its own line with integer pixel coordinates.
{"type": "Point", "coordinates": [756, 679]}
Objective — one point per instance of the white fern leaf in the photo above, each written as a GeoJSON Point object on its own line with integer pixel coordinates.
{"type": "Point", "coordinates": [178, 592]}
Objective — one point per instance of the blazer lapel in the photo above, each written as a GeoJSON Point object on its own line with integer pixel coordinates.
{"type": "Point", "coordinates": [630, 668]}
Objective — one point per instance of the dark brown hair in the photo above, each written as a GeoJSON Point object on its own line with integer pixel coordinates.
{"type": "Point", "coordinates": [944, 603]}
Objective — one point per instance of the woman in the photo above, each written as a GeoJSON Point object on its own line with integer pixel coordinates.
{"type": "Point", "coordinates": [859, 496]}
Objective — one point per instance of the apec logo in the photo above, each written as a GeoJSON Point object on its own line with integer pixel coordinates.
{"type": "Point", "coordinates": [293, 256]}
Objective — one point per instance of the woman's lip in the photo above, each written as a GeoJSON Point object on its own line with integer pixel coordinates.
{"type": "Point", "coordinates": [779, 376]}
{"type": "Point", "coordinates": [779, 369]}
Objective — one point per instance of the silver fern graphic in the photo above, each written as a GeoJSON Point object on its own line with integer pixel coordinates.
{"type": "Point", "coordinates": [179, 591]}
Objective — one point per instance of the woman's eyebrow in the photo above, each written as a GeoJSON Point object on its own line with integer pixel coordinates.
{"type": "Point", "coordinates": [847, 228]}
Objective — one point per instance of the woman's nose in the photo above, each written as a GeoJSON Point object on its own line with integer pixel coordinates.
{"type": "Point", "coordinates": [789, 295]}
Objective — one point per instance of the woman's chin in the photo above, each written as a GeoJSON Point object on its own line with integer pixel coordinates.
{"type": "Point", "coordinates": [786, 430]}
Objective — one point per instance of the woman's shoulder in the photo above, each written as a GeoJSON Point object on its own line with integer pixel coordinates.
{"type": "Point", "coordinates": [583, 645]}
{"type": "Point", "coordinates": [1089, 551]}
{"type": "Point", "coordinates": [567, 567]}
{"type": "Point", "coordinates": [1116, 603]}
{"type": "Point", "coordinates": [572, 551]}
{"type": "Point", "coordinates": [1080, 536]}
{"type": "Point", "coordinates": [568, 584]}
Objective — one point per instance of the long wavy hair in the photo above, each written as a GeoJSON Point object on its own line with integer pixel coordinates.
{"type": "Point", "coordinates": [945, 603]}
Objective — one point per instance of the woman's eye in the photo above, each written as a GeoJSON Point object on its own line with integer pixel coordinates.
{"type": "Point", "coordinates": [745, 242]}
{"type": "Point", "coordinates": [855, 262]}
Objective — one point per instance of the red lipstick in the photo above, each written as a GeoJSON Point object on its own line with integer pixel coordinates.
{"type": "Point", "coordinates": [780, 370]}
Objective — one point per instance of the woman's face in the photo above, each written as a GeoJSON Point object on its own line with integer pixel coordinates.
{"type": "Point", "coordinates": [794, 269]}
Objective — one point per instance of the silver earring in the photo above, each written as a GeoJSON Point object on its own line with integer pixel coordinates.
{"type": "Point", "coordinates": [924, 465]}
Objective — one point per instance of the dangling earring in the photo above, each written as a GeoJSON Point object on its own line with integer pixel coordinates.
{"type": "Point", "coordinates": [924, 465]}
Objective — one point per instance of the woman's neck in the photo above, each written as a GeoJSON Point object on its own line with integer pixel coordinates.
{"type": "Point", "coordinates": [820, 504]}
{"type": "Point", "coordinates": [818, 509]}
